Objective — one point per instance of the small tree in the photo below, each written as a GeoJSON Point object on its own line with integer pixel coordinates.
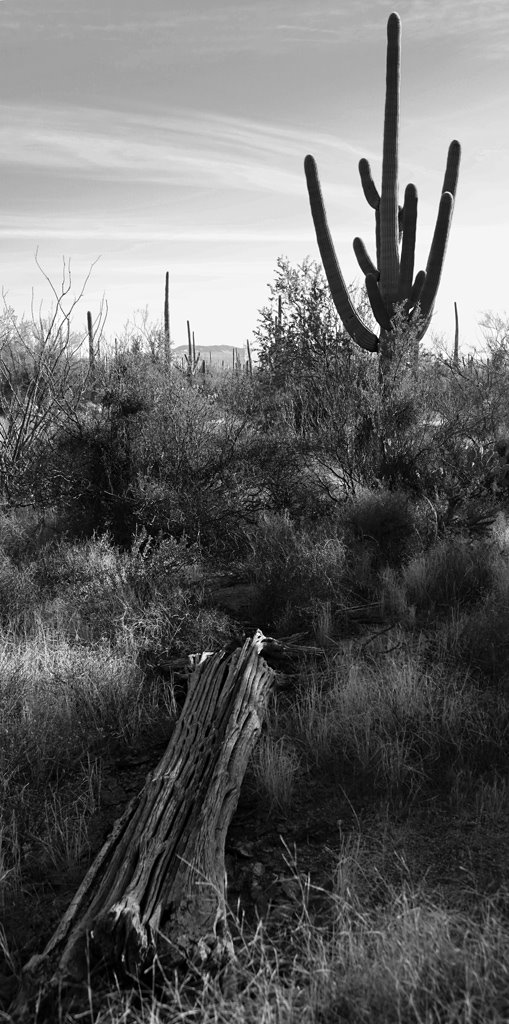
{"type": "Point", "coordinates": [299, 328]}
{"type": "Point", "coordinates": [140, 334]}
{"type": "Point", "coordinates": [42, 383]}
{"type": "Point", "coordinates": [301, 341]}
{"type": "Point", "coordinates": [354, 422]}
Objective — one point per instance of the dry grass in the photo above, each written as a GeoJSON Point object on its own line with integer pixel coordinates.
{"type": "Point", "coordinates": [62, 836]}
{"type": "Point", "coordinates": [391, 721]}
{"type": "Point", "coordinates": [451, 575]}
{"type": "Point", "coordinates": [387, 718]}
{"type": "Point", "coordinates": [404, 959]}
{"type": "Point", "coordinates": [57, 699]}
{"type": "Point", "coordinates": [275, 768]}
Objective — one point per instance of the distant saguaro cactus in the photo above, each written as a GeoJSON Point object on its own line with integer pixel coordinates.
{"type": "Point", "coordinates": [456, 354]}
{"type": "Point", "coordinates": [167, 318]}
{"type": "Point", "coordinates": [391, 280]}
{"type": "Point", "coordinates": [192, 359]}
{"type": "Point", "coordinates": [91, 350]}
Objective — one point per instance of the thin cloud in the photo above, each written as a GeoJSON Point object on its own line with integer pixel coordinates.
{"type": "Point", "coordinates": [187, 31]}
{"type": "Point", "coordinates": [482, 28]}
{"type": "Point", "coordinates": [187, 149]}
{"type": "Point", "coordinates": [99, 231]}
{"type": "Point", "coordinates": [180, 31]}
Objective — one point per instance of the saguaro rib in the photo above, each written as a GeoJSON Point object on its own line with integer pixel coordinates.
{"type": "Point", "coordinates": [156, 890]}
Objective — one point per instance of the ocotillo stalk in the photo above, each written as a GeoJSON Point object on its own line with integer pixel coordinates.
{"type": "Point", "coordinates": [456, 355]}
{"type": "Point", "coordinates": [194, 353]}
{"type": "Point", "coordinates": [167, 319]}
{"type": "Point", "coordinates": [391, 279]}
{"type": "Point", "coordinates": [249, 359]}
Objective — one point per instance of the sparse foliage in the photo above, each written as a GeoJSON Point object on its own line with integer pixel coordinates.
{"type": "Point", "coordinates": [345, 504]}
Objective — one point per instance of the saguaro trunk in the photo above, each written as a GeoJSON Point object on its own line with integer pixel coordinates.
{"type": "Point", "coordinates": [157, 887]}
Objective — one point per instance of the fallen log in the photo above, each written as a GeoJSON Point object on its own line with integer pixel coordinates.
{"type": "Point", "coordinates": [156, 891]}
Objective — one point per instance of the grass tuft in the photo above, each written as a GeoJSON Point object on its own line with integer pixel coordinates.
{"type": "Point", "coordinates": [275, 768]}
{"type": "Point", "coordinates": [452, 575]}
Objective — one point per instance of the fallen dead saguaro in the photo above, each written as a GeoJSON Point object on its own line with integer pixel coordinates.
{"type": "Point", "coordinates": [156, 891]}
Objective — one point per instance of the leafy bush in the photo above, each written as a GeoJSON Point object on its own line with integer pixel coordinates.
{"type": "Point", "coordinates": [158, 454]}
{"type": "Point", "coordinates": [83, 477]}
{"type": "Point", "coordinates": [192, 476]}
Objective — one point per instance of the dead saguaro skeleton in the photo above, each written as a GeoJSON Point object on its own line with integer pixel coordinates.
{"type": "Point", "coordinates": [156, 891]}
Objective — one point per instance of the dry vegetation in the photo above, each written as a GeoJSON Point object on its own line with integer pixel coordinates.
{"type": "Point", "coordinates": [368, 858]}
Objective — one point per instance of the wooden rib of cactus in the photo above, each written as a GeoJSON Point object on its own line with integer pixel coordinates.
{"type": "Point", "coordinates": [155, 894]}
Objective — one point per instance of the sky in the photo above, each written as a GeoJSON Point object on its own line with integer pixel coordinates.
{"type": "Point", "coordinates": [169, 135]}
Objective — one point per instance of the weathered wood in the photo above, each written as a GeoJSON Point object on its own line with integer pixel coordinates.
{"type": "Point", "coordinates": [156, 890]}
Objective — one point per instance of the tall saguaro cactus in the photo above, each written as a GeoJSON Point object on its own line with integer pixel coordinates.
{"type": "Point", "coordinates": [167, 339]}
{"type": "Point", "coordinates": [391, 280]}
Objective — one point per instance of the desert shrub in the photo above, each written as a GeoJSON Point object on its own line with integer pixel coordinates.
{"type": "Point", "coordinates": [169, 614]}
{"type": "Point", "coordinates": [236, 393]}
{"type": "Point", "coordinates": [482, 641]}
{"type": "Point", "coordinates": [294, 567]}
{"type": "Point", "coordinates": [423, 425]}
{"type": "Point", "coordinates": [150, 597]}
{"type": "Point", "coordinates": [158, 454]}
{"type": "Point", "coordinates": [382, 521]}
{"type": "Point", "coordinates": [193, 471]}
{"type": "Point", "coordinates": [25, 531]}
{"type": "Point", "coordinates": [290, 480]}
{"type": "Point", "coordinates": [312, 378]}
{"type": "Point", "coordinates": [24, 535]}
{"type": "Point", "coordinates": [207, 471]}
{"type": "Point", "coordinates": [128, 385]}
{"type": "Point", "coordinates": [454, 574]}
{"type": "Point", "coordinates": [83, 590]}
{"type": "Point", "coordinates": [473, 393]}
{"type": "Point", "coordinates": [469, 403]}
{"type": "Point", "coordinates": [301, 341]}
{"type": "Point", "coordinates": [86, 473]}
{"type": "Point", "coordinates": [83, 476]}
{"type": "Point", "coordinates": [41, 385]}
